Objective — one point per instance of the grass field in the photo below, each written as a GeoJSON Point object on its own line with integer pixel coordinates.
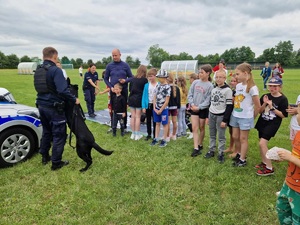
{"type": "Point", "coordinates": [140, 184]}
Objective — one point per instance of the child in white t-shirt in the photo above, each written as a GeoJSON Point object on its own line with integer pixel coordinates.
{"type": "Point", "coordinates": [246, 108]}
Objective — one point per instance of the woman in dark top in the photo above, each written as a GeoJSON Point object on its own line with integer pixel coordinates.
{"type": "Point", "coordinates": [136, 87]}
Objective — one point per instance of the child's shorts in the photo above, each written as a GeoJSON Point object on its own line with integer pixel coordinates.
{"type": "Point", "coordinates": [202, 113]}
{"type": "Point", "coordinates": [173, 112]}
{"type": "Point", "coordinates": [242, 123]}
{"type": "Point", "coordinates": [162, 118]}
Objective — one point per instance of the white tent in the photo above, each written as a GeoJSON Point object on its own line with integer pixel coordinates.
{"type": "Point", "coordinates": [180, 67]}
{"type": "Point", "coordinates": [27, 67]}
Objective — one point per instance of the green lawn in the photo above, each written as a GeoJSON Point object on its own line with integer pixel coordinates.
{"type": "Point", "coordinates": [140, 184]}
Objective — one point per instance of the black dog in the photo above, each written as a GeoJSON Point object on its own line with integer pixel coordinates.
{"type": "Point", "coordinates": [85, 140]}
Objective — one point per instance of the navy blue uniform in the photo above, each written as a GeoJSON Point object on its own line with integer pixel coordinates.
{"type": "Point", "coordinates": [53, 120]}
{"type": "Point", "coordinates": [89, 91]}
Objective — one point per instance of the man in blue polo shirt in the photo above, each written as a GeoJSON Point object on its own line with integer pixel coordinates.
{"type": "Point", "coordinates": [118, 72]}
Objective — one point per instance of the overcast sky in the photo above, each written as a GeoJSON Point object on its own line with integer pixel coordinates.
{"type": "Point", "coordinates": [90, 29]}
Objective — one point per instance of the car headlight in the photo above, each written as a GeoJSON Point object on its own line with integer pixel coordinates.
{"type": "Point", "coordinates": [29, 112]}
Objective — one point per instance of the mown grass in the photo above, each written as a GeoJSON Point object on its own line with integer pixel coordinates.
{"type": "Point", "coordinates": [139, 184]}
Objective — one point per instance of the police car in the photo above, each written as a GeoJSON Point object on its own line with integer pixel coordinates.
{"type": "Point", "coordinates": [20, 130]}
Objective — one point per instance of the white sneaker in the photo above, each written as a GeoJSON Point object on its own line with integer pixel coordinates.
{"type": "Point", "coordinates": [138, 137]}
{"type": "Point", "coordinates": [277, 193]}
{"type": "Point", "coordinates": [173, 137]}
{"type": "Point", "coordinates": [132, 136]}
{"type": "Point", "coordinates": [168, 139]}
{"type": "Point", "coordinates": [190, 136]}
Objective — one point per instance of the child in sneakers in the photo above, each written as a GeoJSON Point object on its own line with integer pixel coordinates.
{"type": "Point", "coordinates": [119, 106]}
{"type": "Point", "coordinates": [174, 105]}
{"type": "Point", "coordinates": [288, 201]}
{"type": "Point", "coordinates": [181, 81]}
{"type": "Point", "coordinates": [233, 83]}
{"type": "Point", "coordinates": [246, 108]}
{"type": "Point", "coordinates": [272, 111]}
{"type": "Point", "coordinates": [161, 98]}
{"type": "Point", "coordinates": [136, 87]}
{"type": "Point", "coordinates": [219, 114]}
{"type": "Point", "coordinates": [199, 99]}
{"type": "Point", "coordinates": [147, 101]}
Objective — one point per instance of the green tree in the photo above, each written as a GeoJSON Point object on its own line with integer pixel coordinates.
{"type": "Point", "coordinates": [245, 54]}
{"type": "Point", "coordinates": [65, 60]}
{"type": "Point", "coordinates": [13, 61]}
{"type": "Point", "coordinates": [25, 58]}
{"type": "Point", "coordinates": [268, 55]}
{"type": "Point", "coordinates": [89, 62]}
{"type": "Point", "coordinates": [185, 56]}
{"type": "Point", "coordinates": [129, 60]}
{"type": "Point", "coordinates": [3, 60]}
{"type": "Point", "coordinates": [36, 59]}
{"type": "Point", "coordinates": [137, 63]}
{"type": "Point", "coordinates": [99, 64]}
{"type": "Point", "coordinates": [156, 56]}
{"type": "Point", "coordinates": [173, 57]}
{"type": "Point", "coordinates": [212, 59]}
{"type": "Point", "coordinates": [297, 58]}
{"type": "Point", "coordinates": [72, 61]}
{"type": "Point", "coordinates": [79, 62]}
{"type": "Point", "coordinates": [107, 60]}
{"type": "Point", "coordinates": [200, 58]}
{"type": "Point", "coordinates": [284, 52]}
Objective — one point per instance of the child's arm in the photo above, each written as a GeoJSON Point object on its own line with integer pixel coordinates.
{"type": "Point", "coordinates": [105, 91]}
{"type": "Point", "coordinates": [284, 155]}
{"type": "Point", "coordinates": [256, 103]}
{"type": "Point", "coordinates": [165, 104]}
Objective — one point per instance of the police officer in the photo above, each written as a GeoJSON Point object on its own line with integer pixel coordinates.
{"type": "Point", "coordinates": [50, 100]}
{"type": "Point", "coordinates": [91, 89]}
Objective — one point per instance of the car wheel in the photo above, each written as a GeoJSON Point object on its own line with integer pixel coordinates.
{"type": "Point", "coordinates": [16, 145]}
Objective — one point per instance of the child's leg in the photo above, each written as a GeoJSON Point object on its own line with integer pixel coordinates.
{"type": "Point", "coordinates": [149, 121]}
{"type": "Point", "coordinates": [263, 145]}
{"type": "Point", "coordinates": [169, 122]}
{"type": "Point", "coordinates": [283, 207]}
{"type": "Point", "coordinates": [166, 128]}
{"type": "Point", "coordinates": [137, 125]}
{"type": "Point", "coordinates": [221, 135]}
{"type": "Point", "coordinates": [114, 123]}
{"type": "Point", "coordinates": [157, 129]}
{"type": "Point", "coordinates": [231, 142]}
{"type": "Point", "coordinates": [132, 119]}
{"type": "Point", "coordinates": [195, 123]}
{"type": "Point", "coordinates": [174, 122]}
{"type": "Point", "coordinates": [244, 134]}
{"type": "Point", "coordinates": [212, 132]}
{"type": "Point", "coordinates": [236, 140]}
{"type": "Point", "coordinates": [202, 131]}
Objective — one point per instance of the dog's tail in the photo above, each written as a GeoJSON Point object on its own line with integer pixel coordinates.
{"type": "Point", "coordinates": [101, 150]}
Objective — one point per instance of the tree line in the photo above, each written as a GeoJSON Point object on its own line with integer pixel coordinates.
{"type": "Point", "coordinates": [283, 53]}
